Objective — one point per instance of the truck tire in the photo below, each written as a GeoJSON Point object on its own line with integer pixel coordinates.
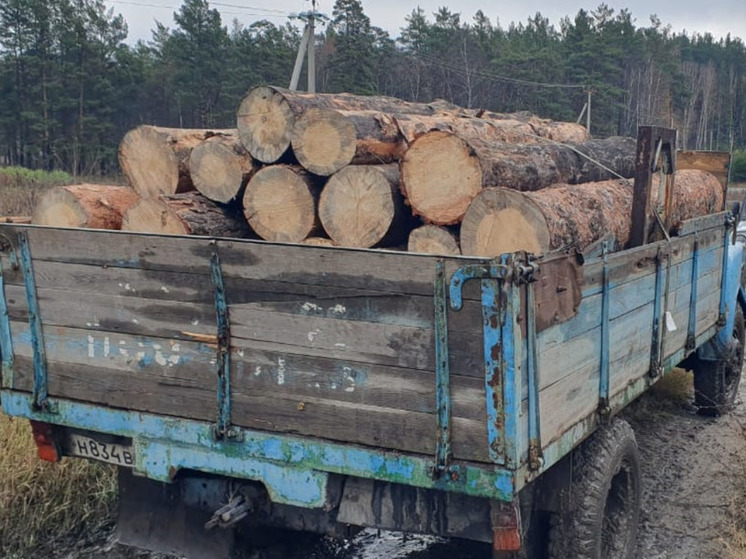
{"type": "Point", "coordinates": [599, 517]}
{"type": "Point", "coordinates": [716, 382]}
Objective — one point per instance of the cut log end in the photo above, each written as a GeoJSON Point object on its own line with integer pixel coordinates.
{"type": "Point", "coordinates": [280, 205]}
{"type": "Point", "coordinates": [92, 206]}
{"type": "Point", "coordinates": [323, 141]}
{"type": "Point", "coordinates": [431, 239]}
{"type": "Point", "coordinates": [152, 215]}
{"type": "Point", "coordinates": [501, 221]}
{"type": "Point", "coordinates": [219, 168]}
{"type": "Point", "coordinates": [440, 177]}
{"type": "Point", "coordinates": [318, 242]}
{"type": "Point", "coordinates": [149, 163]}
{"type": "Point", "coordinates": [265, 121]}
{"type": "Point", "coordinates": [357, 206]}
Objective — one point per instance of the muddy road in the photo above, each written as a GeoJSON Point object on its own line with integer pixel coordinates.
{"type": "Point", "coordinates": [694, 492]}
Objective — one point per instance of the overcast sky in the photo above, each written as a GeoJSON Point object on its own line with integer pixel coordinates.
{"type": "Point", "coordinates": [718, 17]}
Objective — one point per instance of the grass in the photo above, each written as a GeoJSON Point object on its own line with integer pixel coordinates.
{"type": "Point", "coordinates": [20, 188]}
{"type": "Point", "coordinates": [42, 503]}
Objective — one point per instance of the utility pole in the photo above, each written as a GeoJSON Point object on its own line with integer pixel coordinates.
{"type": "Point", "coordinates": [588, 114]}
{"type": "Point", "coordinates": [307, 46]}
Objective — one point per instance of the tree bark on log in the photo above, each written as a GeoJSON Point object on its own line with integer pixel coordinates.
{"type": "Point", "coordinates": [432, 239]}
{"type": "Point", "coordinates": [93, 206]}
{"type": "Point", "coordinates": [361, 206]}
{"type": "Point", "coordinates": [502, 220]}
{"type": "Point", "coordinates": [442, 172]}
{"type": "Point", "coordinates": [155, 160]}
{"type": "Point", "coordinates": [280, 203]}
{"type": "Point", "coordinates": [189, 213]}
{"type": "Point", "coordinates": [564, 132]}
{"type": "Point", "coordinates": [267, 115]}
{"type": "Point", "coordinates": [220, 167]}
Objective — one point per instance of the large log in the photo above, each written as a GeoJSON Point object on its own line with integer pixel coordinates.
{"type": "Point", "coordinates": [565, 132]}
{"type": "Point", "coordinates": [189, 213]}
{"type": "Point", "coordinates": [220, 167]}
{"type": "Point", "coordinates": [267, 115]}
{"type": "Point", "coordinates": [280, 203]}
{"type": "Point", "coordinates": [361, 206]}
{"type": "Point", "coordinates": [432, 239]}
{"type": "Point", "coordinates": [155, 160]}
{"type": "Point", "coordinates": [94, 206]}
{"type": "Point", "coordinates": [442, 172]}
{"type": "Point", "coordinates": [326, 140]}
{"type": "Point", "coordinates": [503, 220]}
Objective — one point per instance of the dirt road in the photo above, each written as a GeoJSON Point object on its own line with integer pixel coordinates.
{"type": "Point", "coordinates": [694, 491]}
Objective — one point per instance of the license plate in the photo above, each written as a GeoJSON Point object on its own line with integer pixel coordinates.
{"type": "Point", "coordinates": [86, 447]}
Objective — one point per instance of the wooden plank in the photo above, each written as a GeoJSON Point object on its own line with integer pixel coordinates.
{"type": "Point", "coordinates": [699, 224]}
{"type": "Point", "coordinates": [715, 162]}
{"type": "Point", "coordinates": [397, 272]}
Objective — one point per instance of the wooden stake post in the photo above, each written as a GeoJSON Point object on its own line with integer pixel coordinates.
{"type": "Point", "coordinates": [656, 150]}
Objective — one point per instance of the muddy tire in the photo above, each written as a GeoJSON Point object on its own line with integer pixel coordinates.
{"type": "Point", "coordinates": [599, 517]}
{"type": "Point", "coordinates": [716, 382]}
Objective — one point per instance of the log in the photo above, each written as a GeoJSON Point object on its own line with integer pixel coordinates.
{"type": "Point", "coordinates": [155, 160]}
{"type": "Point", "coordinates": [442, 172]}
{"type": "Point", "coordinates": [17, 219]}
{"type": "Point", "coordinates": [93, 206]}
{"type": "Point", "coordinates": [318, 242]}
{"type": "Point", "coordinates": [361, 206]}
{"type": "Point", "coordinates": [507, 130]}
{"type": "Point", "coordinates": [565, 132]}
{"type": "Point", "coordinates": [267, 115]}
{"type": "Point", "coordinates": [326, 140]}
{"type": "Point", "coordinates": [503, 220]}
{"type": "Point", "coordinates": [280, 203]}
{"type": "Point", "coordinates": [189, 213]}
{"type": "Point", "coordinates": [432, 239]}
{"type": "Point", "coordinates": [220, 167]}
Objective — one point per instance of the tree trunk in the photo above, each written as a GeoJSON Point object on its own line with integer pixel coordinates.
{"type": "Point", "coordinates": [93, 206]}
{"type": "Point", "coordinates": [412, 127]}
{"type": "Point", "coordinates": [432, 239]}
{"type": "Point", "coordinates": [156, 160]}
{"type": "Point", "coordinates": [189, 213]}
{"type": "Point", "coordinates": [267, 115]}
{"type": "Point", "coordinates": [442, 172]}
{"type": "Point", "coordinates": [361, 206]}
{"type": "Point", "coordinates": [564, 132]}
{"type": "Point", "coordinates": [220, 167]}
{"type": "Point", "coordinates": [325, 140]}
{"type": "Point", "coordinates": [502, 220]}
{"type": "Point", "coordinates": [280, 203]}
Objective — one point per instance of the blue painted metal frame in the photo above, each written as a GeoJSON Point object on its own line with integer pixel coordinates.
{"type": "Point", "coordinates": [442, 373]}
{"type": "Point", "coordinates": [40, 392]}
{"type": "Point", "coordinates": [535, 457]}
{"type": "Point", "coordinates": [692, 326]}
{"type": "Point", "coordinates": [6, 339]}
{"type": "Point", "coordinates": [604, 381]}
{"type": "Point", "coordinates": [294, 469]}
{"type": "Point", "coordinates": [223, 427]}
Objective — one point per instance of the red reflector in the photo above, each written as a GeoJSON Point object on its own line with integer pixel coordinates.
{"type": "Point", "coordinates": [45, 443]}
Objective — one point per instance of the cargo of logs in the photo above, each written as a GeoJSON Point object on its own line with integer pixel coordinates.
{"type": "Point", "coordinates": [371, 171]}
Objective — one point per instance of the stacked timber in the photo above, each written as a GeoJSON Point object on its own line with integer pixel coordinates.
{"type": "Point", "coordinates": [344, 170]}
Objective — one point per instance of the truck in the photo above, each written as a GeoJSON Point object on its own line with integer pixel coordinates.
{"type": "Point", "coordinates": [245, 383]}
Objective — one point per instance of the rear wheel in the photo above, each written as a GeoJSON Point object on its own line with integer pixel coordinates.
{"type": "Point", "coordinates": [716, 382]}
{"type": "Point", "coordinates": [599, 519]}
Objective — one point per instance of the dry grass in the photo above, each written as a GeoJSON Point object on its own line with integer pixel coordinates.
{"type": "Point", "coordinates": [42, 504]}
{"type": "Point", "coordinates": [20, 188]}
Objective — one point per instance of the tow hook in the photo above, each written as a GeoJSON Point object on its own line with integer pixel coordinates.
{"type": "Point", "coordinates": [236, 510]}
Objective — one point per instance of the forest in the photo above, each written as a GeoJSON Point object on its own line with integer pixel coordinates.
{"type": "Point", "coordinates": [71, 86]}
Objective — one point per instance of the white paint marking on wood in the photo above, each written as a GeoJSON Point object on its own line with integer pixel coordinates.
{"type": "Point", "coordinates": [349, 378]}
{"type": "Point", "coordinates": [159, 358]}
{"type": "Point", "coordinates": [280, 371]}
{"type": "Point", "coordinates": [338, 309]}
{"type": "Point", "coordinates": [176, 348]}
{"type": "Point", "coordinates": [308, 307]}
{"type": "Point", "coordinates": [165, 289]}
{"type": "Point", "coordinates": [312, 334]}
{"type": "Point", "coordinates": [174, 360]}
{"type": "Point", "coordinates": [107, 346]}
{"type": "Point", "coordinates": [258, 371]}
{"type": "Point", "coordinates": [91, 348]}
{"type": "Point", "coordinates": [195, 322]}
{"type": "Point", "coordinates": [670, 323]}
{"type": "Point", "coordinates": [123, 352]}
{"type": "Point", "coordinates": [241, 353]}
{"type": "Point", "coordinates": [341, 346]}
{"type": "Point", "coordinates": [135, 321]}
{"type": "Point", "coordinates": [140, 356]}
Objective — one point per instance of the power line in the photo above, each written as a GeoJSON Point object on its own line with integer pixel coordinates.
{"type": "Point", "coordinates": [494, 77]}
{"type": "Point", "coordinates": [254, 11]}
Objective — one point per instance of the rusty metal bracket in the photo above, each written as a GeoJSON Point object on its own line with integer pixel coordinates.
{"type": "Point", "coordinates": [656, 147]}
{"type": "Point", "coordinates": [692, 327]}
{"type": "Point", "coordinates": [659, 308]}
{"type": "Point", "coordinates": [604, 380]}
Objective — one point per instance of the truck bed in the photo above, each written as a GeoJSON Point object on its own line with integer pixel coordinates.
{"type": "Point", "coordinates": [343, 346]}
